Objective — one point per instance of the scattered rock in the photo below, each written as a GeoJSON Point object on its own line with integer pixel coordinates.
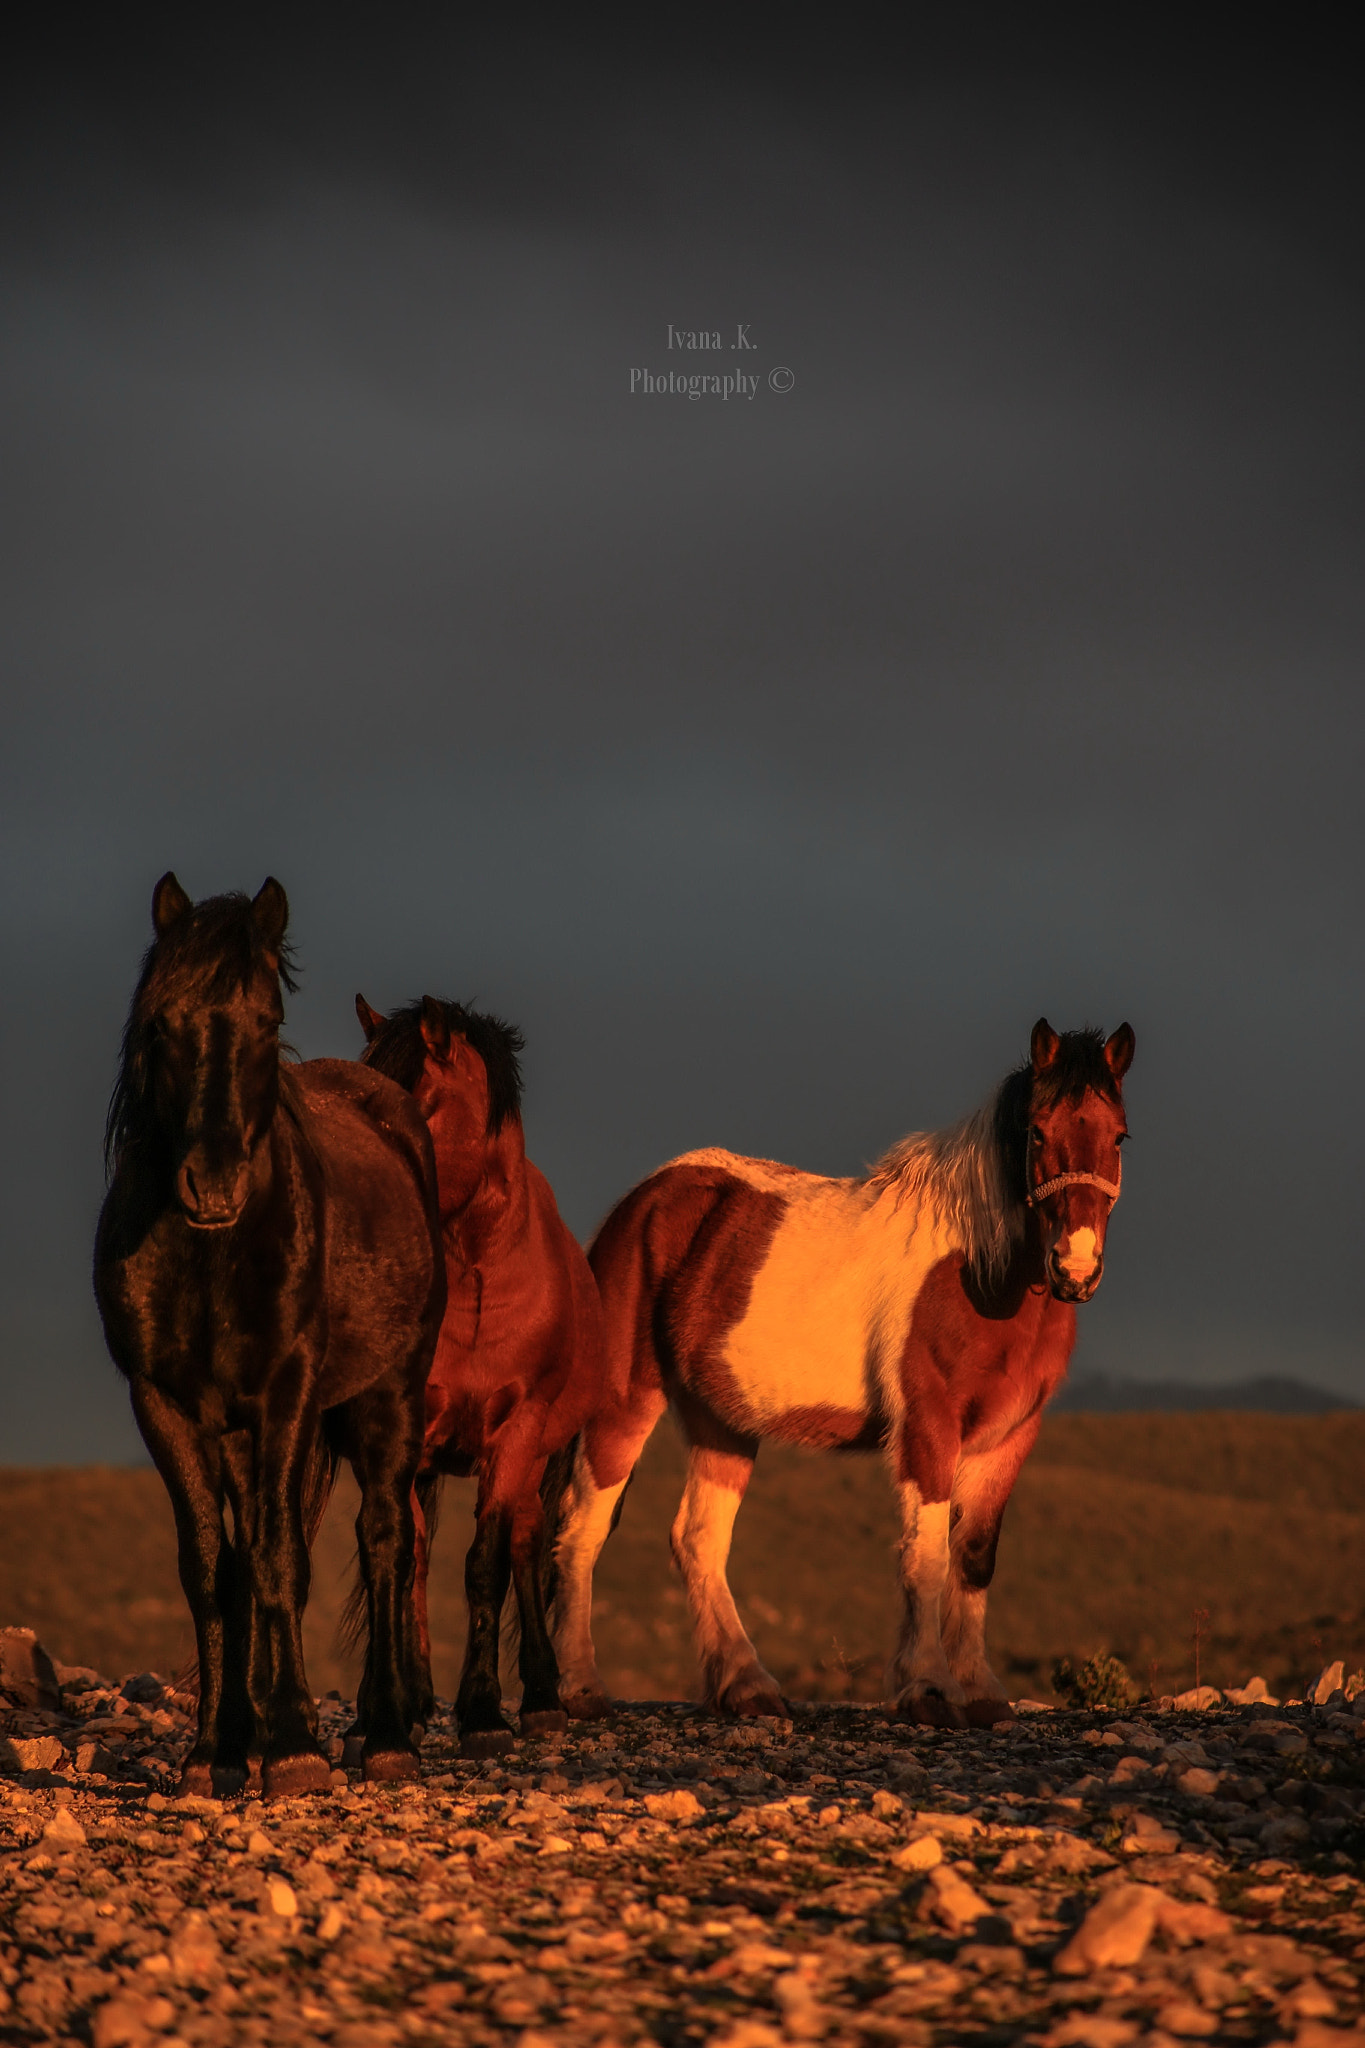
{"type": "Point", "coordinates": [1114, 1933]}
{"type": "Point", "coordinates": [64, 1831]}
{"type": "Point", "coordinates": [952, 1900]}
{"type": "Point", "coordinates": [602, 1873]}
{"type": "Point", "coordinates": [921, 1854]}
{"type": "Point", "coordinates": [32, 1753]}
{"type": "Point", "coordinates": [1198, 1700]}
{"type": "Point", "coordinates": [27, 1676]}
{"type": "Point", "coordinates": [1332, 1678]}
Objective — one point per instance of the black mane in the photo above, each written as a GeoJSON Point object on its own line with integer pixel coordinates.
{"type": "Point", "coordinates": [215, 948]}
{"type": "Point", "coordinates": [397, 1049]}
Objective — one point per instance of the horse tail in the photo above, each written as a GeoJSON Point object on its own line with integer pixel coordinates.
{"type": "Point", "coordinates": [320, 1476]}
{"type": "Point", "coordinates": [351, 1626]}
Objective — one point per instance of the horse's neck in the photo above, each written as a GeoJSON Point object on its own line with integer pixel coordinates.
{"type": "Point", "coordinates": [1001, 1299]}
{"type": "Point", "coordinates": [496, 1213]}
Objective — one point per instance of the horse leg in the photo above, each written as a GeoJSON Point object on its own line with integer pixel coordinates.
{"type": "Point", "coordinates": [381, 1432]}
{"type": "Point", "coordinates": [487, 1569]}
{"type": "Point", "coordinates": [541, 1710]}
{"type": "Point", "coordinates": [736, 1683]}
{"type": "Point", "coordinates": [925, 1687]}
{"type": "Point", "coordinates": [248, 1628]}
{"type": "Point", "coordinates": [606, 1455]}
{"type": "Point", "coordinates": [422, 1689]}
{"type": "Point", "coordinates": [280, 1575]}
{"type": "Point", "coordinates": [981, 1491]}
{"type": "Point", "coordinates": [217, 1758]}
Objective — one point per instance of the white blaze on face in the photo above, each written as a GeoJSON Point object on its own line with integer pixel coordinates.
{"type": "Point", "coordinates": [1079, 1254]}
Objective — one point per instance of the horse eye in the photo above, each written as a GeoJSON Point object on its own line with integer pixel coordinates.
{"type": "Point", "coordinates": [1123, 1137]}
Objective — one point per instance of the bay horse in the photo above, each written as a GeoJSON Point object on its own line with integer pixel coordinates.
{"type": "Point", "coordinates": [927, 1309]}
{"type": "Point", "coordinates": [519, 1360]}
{"type": "Point", "coordinates": [269, 1274]}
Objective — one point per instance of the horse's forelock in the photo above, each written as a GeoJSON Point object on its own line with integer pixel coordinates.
{"type": "Point", "coordinates": [1078, 1065]}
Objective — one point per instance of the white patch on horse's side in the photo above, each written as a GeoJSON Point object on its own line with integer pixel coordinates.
{"type": "Point", "coordinates": [830, 1306]}
{"type": "Point", "coordinates": [1081, 1255]}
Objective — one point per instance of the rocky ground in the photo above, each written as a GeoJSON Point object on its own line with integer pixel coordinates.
{"type": "Point", "coordinates": [1075, 1878]}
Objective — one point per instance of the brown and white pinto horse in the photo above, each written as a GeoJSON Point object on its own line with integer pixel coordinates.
{"type": "Point", "coordinates": [519, 1359]}
{"type": "Point", "coordinates": [927, 1309]}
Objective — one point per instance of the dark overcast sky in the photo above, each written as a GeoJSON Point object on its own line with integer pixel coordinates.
{"type": "Point", "coordinates": [773, 762]}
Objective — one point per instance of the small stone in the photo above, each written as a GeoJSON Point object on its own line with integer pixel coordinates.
{"type": "Point", "coordinates": [673, 1805]}
{"type": "Point", "coordinates": [194, 1953]}
{"type": "Point", "coordinates": [1187, 2022]}
{"type": "Point", "coordinates": [64, 1831]}
{"type": "Point", "coordinates": [952, 1900]}
{"type": "Point", "coordinates": [31, 1753]}
{"type": "Point", "coordinates": [1198, 1784]}
{"type": "Point", "coordinates": [27, 1676]}
{"type": "Point", "coordinates": [1198, 1700]}
{"type": "Point", "coordinates": [259, 1844]}
{"type": "Point", "coordinates": [281, 1900]}
{"type": "Point", "coordinates": [1332, 1678]}
{"type": "Point", "coordinates": [128, 2020]}
{"type": "Point", "coordinates": [1189, 1920]}
{"type": "Point", "coordinates": [1090, 2030]}
{"type": "Point", "coordinates": [921, 1854]}
{"type": "Point", "coordinates": [1114, 1933]}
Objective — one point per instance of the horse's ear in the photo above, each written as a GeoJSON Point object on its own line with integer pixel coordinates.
{"type": "Point", "coordinates": [169, 904]}
{"type": "Point", "coordinates": [370, 1020]}
{"type": "Point", "coordinates": [270, 913]}
{"type": "Point", "coordinates": [1043, 1046]}
{"type": "Point", "coordinates": [435, 1027]}
{"type": "Point", "coordinates": [1119, 1051]}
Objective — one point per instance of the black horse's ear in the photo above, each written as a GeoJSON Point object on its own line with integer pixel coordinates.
{"type": "Point", "coordinates": [1043, 1046]}
{"type": "Point", "coordinates": [270, 913]}
{"type": "Point", "coordinates": [169, 903]}
{"type": "Point", "coordinates": [435, 1027]}
{"type": "Point", "coordinates": [370, 1020]}
{"type": "Point", "coordinates": [1119, 1051]}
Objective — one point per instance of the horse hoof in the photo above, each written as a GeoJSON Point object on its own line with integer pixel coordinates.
{"type": "Point", "coordinates": [545, 1721]}
{"type": "Point", "coordinates": [931, 1711]}
{"type": "Point", "coordinates": [990, 1714]}
{"type": "Point", "coordinates": [286, 1777]}
{"type": "Point", "coordinates": [589, 1706]}
{"type": "Point", "coordinates": [195, 1782]}
{"type": "Point", "coordinates": [228, 1780]}
{"type": "Point", "coordinates": [756, 1705]}
{"type": "Point", "coordinates": [392, 1767]}
{"type": "Point", "coordinates": [477, 1742]}
{"type": "Point", "coordinates": [353, 1753]}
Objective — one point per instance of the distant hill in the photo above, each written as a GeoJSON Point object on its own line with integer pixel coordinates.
{"type": "Point", "coordinates": [1094, 1394]}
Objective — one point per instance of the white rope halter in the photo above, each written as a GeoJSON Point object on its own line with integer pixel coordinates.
{"type": "Point", "coordinates": [1069, 1180]}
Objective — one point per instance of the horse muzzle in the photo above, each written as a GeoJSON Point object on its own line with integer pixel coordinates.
{"type": "Point", "coordinates": [1074, 1279]}
{"type": "Point", "coordinates": [212, 1200]}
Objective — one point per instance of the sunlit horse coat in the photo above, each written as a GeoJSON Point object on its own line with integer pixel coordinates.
{"type": "Point", "coordinates": [926, 1308]}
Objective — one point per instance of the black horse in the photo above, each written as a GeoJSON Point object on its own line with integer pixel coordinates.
{"type": "Point", "coordinates": [270, 1274]}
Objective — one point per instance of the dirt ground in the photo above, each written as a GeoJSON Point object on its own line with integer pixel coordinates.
{"type": "Point", "coordinates": [1121, 1528]}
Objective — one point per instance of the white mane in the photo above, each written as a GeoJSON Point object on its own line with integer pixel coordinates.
{"type": "Point", "coordinates": [960, 1173]}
